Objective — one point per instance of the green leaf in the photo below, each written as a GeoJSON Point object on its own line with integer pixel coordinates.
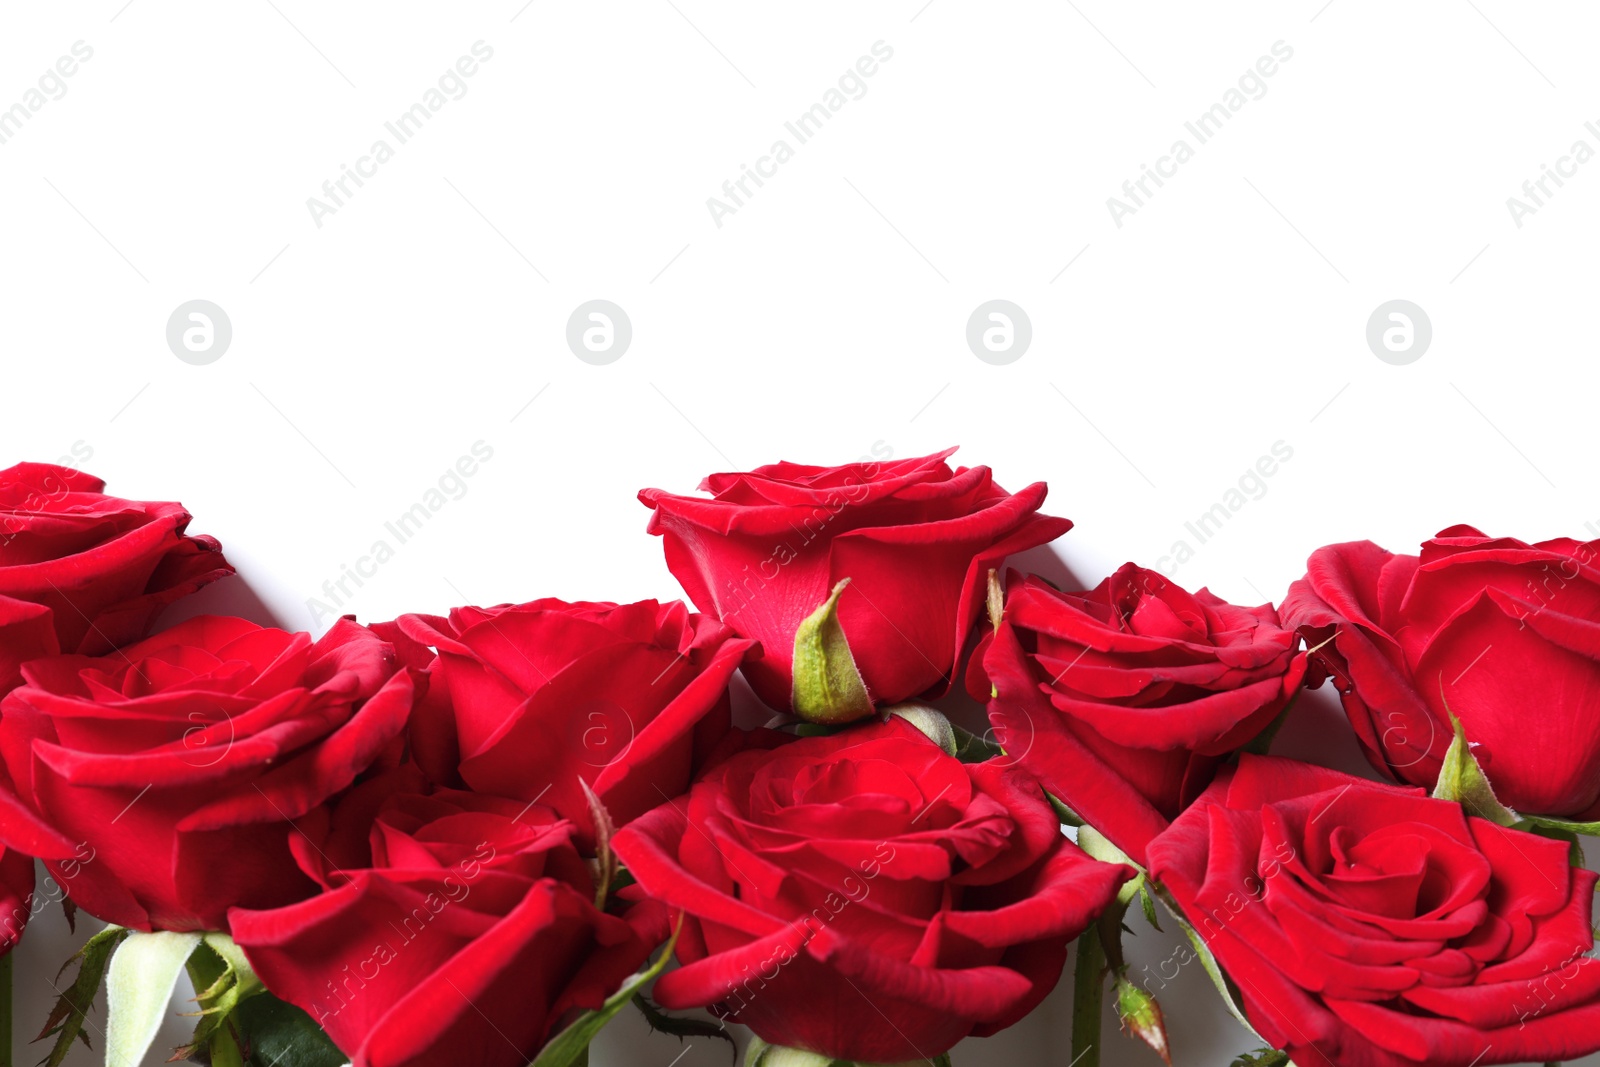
{"type": "Point", "coordinates": [67, 1017]}
{"type": "Point", "coordinates": [930, 721]}
{"type": "Point", "coordinates": [1462, 780]}
{"type": "Point", "coordinates": [139, 984]}
{"type": "Point", "coordinates": [1261, 1057]}
{"type": "Point", "coordinates": [282, 1034]}
{"type": "Point", "coordinates": [570, 1045]}
{"type": "Point", "coordinates": [1148, 904]}
{"type": "Point", "coordinates": [827, 685]}
{"type": "Point", "coordinates": [679, 1027]}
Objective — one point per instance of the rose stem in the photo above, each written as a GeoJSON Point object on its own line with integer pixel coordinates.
{"type": "Point", "coordinates": [1088, 989]}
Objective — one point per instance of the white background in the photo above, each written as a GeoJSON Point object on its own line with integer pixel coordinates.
{"type": "Point", "coordinates": [825, 316]}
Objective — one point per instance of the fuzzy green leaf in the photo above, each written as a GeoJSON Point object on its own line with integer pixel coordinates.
{"type": "Point", "coordinates": [67, 1017]}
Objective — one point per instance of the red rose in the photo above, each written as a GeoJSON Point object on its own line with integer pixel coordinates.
{"type": "Point", "coordinates": [1368, 924]}
{"type": "Point", "coordinates": [915, 539]}
{"type": "Point", "coordinates": [1123, 700]}
{"type": "Point", "coordinates": [1497, 632]}
{"type": "Point", "coordinates": [180, 761]}
{"type": "Point", "coordinates": [84, 572]}
{"type": "Point", "coordinates": [453, 928]}
{"type": "Point", "coordinates": [864, 895]}
{"type": "Point", "coordinates": [529, 698]}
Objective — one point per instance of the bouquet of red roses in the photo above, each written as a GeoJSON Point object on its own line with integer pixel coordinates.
{"type": "Point", "coordinates": [474, 838]}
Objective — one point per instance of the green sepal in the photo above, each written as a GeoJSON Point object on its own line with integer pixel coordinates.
{"type": "Point", "coordinates": [1462, 780]}
{"type": "Point", "coordinates": [605, 865]}
{"type": "Point", "coordinates": [139, 983]}
{"type": "Point", "coordinates": [995, 598]}
{"type": "Point", "coordinates": [827, 685]}
{"type": "Point", "coordinates": [230, 981]}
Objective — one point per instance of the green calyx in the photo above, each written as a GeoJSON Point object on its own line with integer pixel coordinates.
{"type": "Point", "coordinates": [828, 688]}
{"type": "Point", "coordinates": [1462, 780]}
{"type": "Point", "coordinates": [930, 721]}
